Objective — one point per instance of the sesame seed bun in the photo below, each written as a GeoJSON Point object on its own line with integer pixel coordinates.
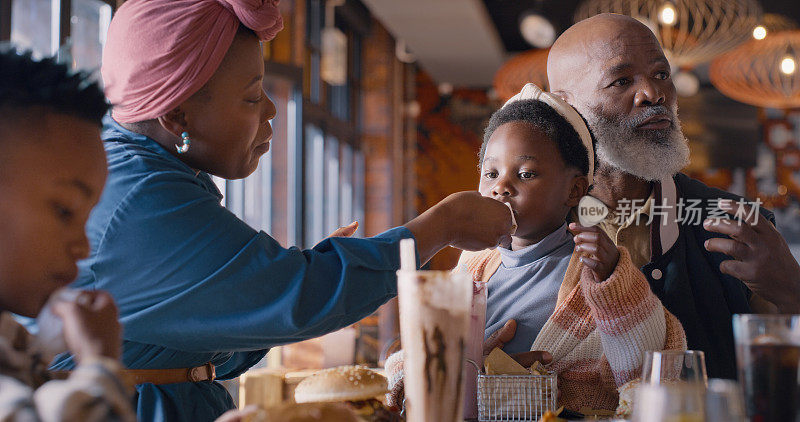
{"type": "Point", "coordinates": [344, 383]}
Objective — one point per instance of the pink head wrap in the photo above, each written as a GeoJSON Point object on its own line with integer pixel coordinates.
{"type": "Point", "coordinates": [160, 52]}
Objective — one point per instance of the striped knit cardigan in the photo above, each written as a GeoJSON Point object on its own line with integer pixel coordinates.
{"type": "Point", "coordinates": [598, 332]}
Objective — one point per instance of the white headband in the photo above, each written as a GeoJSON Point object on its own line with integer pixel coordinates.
{"type": "Point", "coordinates": [532, 92]}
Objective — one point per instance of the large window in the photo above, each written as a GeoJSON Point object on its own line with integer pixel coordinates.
{"type": "Point", "coordinates": [334, 185]}
{"type": "Point", "coordinates": [89, 25]}
{"type": "Point", "coordinates": [314, 164]}
{"type": "Point", "coordinates": [285, 150]}
{"type": "Point", "coordinates": [333, 162]}
{"type": "Point", "coordinates": [73, 30]}
{"type": "Point", "coordinates": [34, 26]}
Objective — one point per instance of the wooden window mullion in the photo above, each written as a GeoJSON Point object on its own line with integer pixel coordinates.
{"type": "Point", "coordinates": [5, 20]}
{"type": "Point", "coordinates": [65, 26]}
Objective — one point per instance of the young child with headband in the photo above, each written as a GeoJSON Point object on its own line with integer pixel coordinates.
{"type": "Point", "coordinates": [577, 297]}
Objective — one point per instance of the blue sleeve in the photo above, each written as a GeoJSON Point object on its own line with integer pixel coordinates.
{"type": "Point", "coordinates": [188, 275]}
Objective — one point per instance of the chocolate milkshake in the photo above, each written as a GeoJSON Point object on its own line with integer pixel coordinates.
{"type": "Point", "coordinates": [477, 326]}
{"type": "Point", "coordinates": [434, 321]}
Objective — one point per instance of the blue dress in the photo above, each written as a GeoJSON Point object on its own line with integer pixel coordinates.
{"type": "Point", "coordinates": [195, 284]}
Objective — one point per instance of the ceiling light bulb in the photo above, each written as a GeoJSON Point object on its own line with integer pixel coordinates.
{"type": "Point", "coordinates": [788, 65]}
{"type": "Point", "coordinates": [537, 30]}
{"type": "Point", "coordinates": [686, 83]}
{"type": "Point", "coordinates": [445, 89]}
{"type": "Point", "coordinates": [759, 32]}
{"type": "Point", "coordinates": [667, 15]}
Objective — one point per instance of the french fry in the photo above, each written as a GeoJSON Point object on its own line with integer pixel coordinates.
{"type": "Point", "coordinates": [538, 369]}
{"type": "Point", "coordinates": [551, 416]}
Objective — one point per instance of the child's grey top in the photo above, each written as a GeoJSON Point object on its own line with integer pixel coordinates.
{"type": "Point", "coordinates": [525, 287]}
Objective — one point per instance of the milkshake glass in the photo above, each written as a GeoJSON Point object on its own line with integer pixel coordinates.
{"type": "Point", "coordinates": [435, 308]}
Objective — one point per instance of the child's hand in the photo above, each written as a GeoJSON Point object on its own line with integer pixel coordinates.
{"type": "Point", "coordinates": [91, 328]}
{"type": "Point", "coordinates": [597, 251]}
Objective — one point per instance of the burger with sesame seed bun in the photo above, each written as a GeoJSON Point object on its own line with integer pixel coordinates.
{"type": "Point", "coordinates": [356, 386]}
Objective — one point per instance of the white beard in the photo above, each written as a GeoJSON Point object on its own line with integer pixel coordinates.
{"type": "Point", "coordinates": [619, 145]}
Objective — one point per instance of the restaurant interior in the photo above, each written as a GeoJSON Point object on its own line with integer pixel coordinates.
{"type": "Point", "coordinates": [381, 107]}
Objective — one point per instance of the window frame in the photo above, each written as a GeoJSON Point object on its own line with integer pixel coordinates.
{"type": "Point", "coordinates": [315, 22]}
{"type": "Point", "coordinates": [5, 20]}
{"type": "Point", "coordinates": [64, 18]}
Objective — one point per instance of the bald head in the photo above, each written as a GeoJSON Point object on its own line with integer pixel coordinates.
{"type": "Point", "coordinates": [586, 46]}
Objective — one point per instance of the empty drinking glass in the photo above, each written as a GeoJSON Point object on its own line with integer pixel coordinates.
{"type": "Point", "coordinates": [671, 366]}
{"type": "Point", "coordinates": [670, 402]}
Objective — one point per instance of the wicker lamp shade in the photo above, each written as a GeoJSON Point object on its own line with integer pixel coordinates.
{"type": "Point", "coordinates": [753, 73]}
{"type": "Point", "coordinates": [530, 66]}
{"type": "Point", "coordinates": [693, 31]}
{"type": "Point", "coordinates": [774, 22]}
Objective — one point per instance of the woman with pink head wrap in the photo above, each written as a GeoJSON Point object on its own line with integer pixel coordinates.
{"type": "Point", "coordinates": [156, 57]}
{"type": "Point", "coordinates": [200, 293]}
{"type": "Point", "coordinates": [159, 56]}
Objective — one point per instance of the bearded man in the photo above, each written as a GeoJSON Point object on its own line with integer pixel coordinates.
{"type": "Point", "coordinates": [611, 69]}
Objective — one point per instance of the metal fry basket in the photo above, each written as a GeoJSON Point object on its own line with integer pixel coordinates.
{"type": "Point", "coordinates": [515, 397]}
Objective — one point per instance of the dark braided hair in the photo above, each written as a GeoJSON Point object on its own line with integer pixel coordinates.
{"type": "Point", "coordinates": [543, 117]}
{"type": "Point", "coordinates": [25, 83]}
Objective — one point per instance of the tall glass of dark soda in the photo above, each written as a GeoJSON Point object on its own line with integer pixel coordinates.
{"type": "Point", "coordinates": [768, 357]}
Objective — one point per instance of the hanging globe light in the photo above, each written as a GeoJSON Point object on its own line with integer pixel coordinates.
{"type": "Point", "coordinates": [690, 31]}
{"type": "Point", "coordinates": [537, 30]}
{"type": "Point", "coordinates": [762, 73]}
{"type": "Point", "coordinates": [760, 32]}
{"type": "Point", "coordinates": [775, 22]}
{"type": "Point", "coordinates": [686, 83]}
{"type": "Point", "coordinates": [772, 23]}
{"type": "Point", "coordinates": [530, 66]}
